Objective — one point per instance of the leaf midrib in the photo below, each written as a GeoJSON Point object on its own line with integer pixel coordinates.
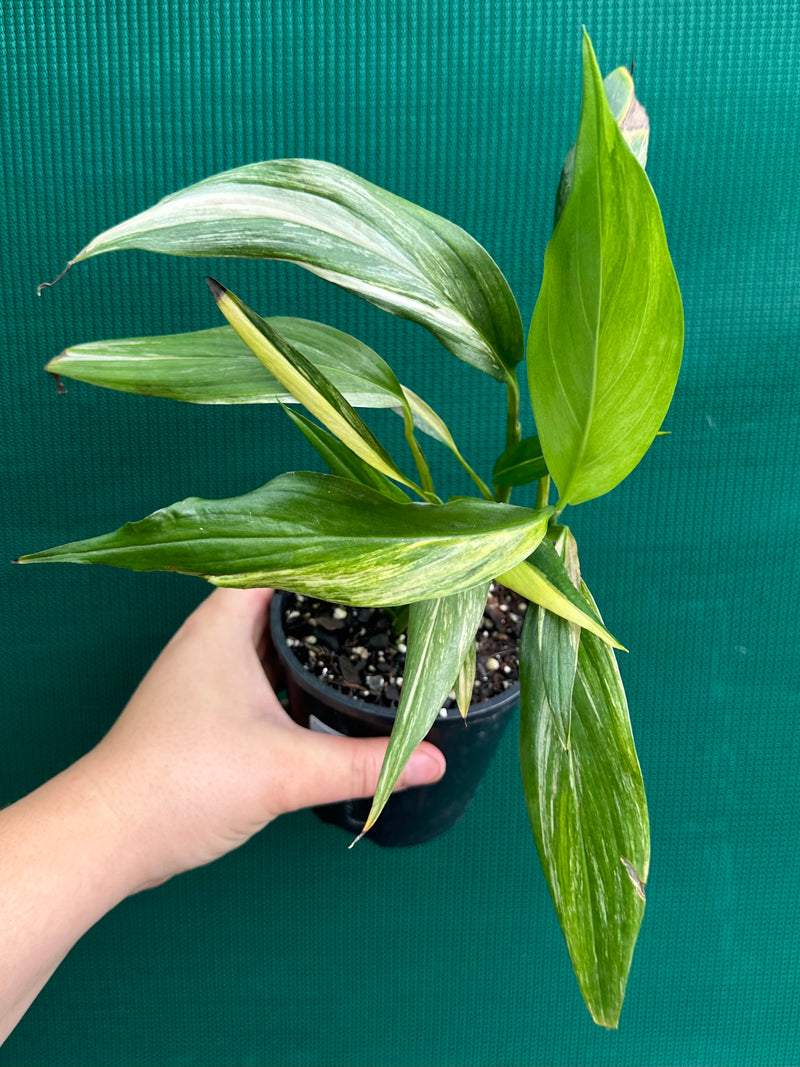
{"type": "Point", "coordinates": [581, 451]}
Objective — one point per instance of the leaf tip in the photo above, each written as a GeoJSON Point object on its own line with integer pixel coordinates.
{"type": "Point", "coordinates": [355, 840]}
{"type": "Point", "coordinates": [30, 557]}
{"type": "Point", "coordinates": [218, 291]}
{"type": "Point", "coordinates": [48, 285]}
{"type": "Point", "coordinates": [606, 1025]}
{"type": "Point", "coordinates": [53, 368]}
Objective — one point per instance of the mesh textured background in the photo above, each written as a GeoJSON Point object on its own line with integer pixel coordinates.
{"type": "Point", "coordinates": [293, 950]}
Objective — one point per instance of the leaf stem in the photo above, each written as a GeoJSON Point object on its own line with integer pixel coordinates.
{"type": "Point", "coordinates": [513, 430]}
{"type": "Point", "coordinates": [422, 465]}
{"type": "Point", "coordinates": [543, 492]}
{"type": "Point", "coordinates": [428, 496]}
{"type": "Point", "coordinates": [419, 456]}
{"type": "Point", "coordinates": [485, 491]}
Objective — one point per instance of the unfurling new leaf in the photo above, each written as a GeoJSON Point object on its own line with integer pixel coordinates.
{"type": "Point", "coordinates": [307, 384]}
{"type": "Point", "coordinates": [633, 123]}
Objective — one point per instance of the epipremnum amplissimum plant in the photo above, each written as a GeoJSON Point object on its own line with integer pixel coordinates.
{"type": "Point", "coordinates": [603, 354]}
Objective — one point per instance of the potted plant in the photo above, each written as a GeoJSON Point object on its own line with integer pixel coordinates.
{"type": "Point", "coordinates": [603, 354]}
{"type": "Point", "coordinates": [344, 667]}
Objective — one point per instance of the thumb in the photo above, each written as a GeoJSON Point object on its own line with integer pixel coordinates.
{"type": "Point", "coordinates": [348, 767]}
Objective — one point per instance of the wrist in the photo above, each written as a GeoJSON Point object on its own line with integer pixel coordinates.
{"type": "Point", "coordinates": [128, 831]}
{"type": "Point", "coordinates": [89, 841]}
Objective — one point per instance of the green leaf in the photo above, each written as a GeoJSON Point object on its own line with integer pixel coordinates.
{"type": "Point", "coordinates": [324, 536]}
{"type": "Point", "coordinates": [587, 806]}
{"type": "Point", "coordinates": [543, 580]}
{"type": "Point", "coordinates": [216, 367]}
{"type": "Point", "coordinates": [341, 461]}
{"type": "Point", "coordinates": [520, 464]}
{"type": "Point", "coordinates": [604, 348]}
{"type": "Point", "coordinates": [306, 384]}
{"type": "Point", "coordinates": [440, 633]}
{"type": "Point", "coordinates": [633, 123]}
{"type": "Point", "coordinates": [387, 250]}
{"type": "Point", "coordinates": [555, 643]}
{"type": "Point", "coordinates": [465, 682]}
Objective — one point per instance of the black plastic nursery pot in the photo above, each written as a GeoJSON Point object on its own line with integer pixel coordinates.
{"type": "Point", "coordinates": [414, 815]}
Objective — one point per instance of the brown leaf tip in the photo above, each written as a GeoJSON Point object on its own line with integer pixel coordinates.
{"type": "Point", "coordinates": [355, 840]}
{"type": "Point", "coordinates": [55, 281]}
{"type": "Point", "coordinates": [217, 290]}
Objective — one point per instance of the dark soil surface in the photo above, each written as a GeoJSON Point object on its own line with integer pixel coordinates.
{"type": "Point", "coordinates": [355, 651]}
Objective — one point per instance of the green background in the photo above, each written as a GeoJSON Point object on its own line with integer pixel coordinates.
{"type": "Point", "coordinates": [294, 950]}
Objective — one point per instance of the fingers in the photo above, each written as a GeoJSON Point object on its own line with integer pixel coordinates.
{"type": "Point", "coordinates": [233, 618]}
{"type": "Point", "coordinates": [426, 766]}
{"type": "Point", "coordinates": [312, 768]}
{"type": "Point", "coordinates": [239, 608]}
{"type": "Point", "coordinates": [330, 769]}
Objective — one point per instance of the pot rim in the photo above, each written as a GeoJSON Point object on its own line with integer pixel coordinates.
{"type": "Point", "coordinates": [342, 702]}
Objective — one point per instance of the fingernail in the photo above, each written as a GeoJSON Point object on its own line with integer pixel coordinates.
{"type": "Point", "coordinates": [422, 769]}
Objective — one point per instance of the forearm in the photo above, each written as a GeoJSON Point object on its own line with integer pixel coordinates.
{"type": "Point", "coordinates": [64, 862]}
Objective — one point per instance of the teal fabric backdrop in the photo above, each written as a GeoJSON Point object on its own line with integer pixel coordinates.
{"type": "Point", "coordinates": [294, 950]}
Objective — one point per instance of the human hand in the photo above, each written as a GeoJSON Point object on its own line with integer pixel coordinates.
{"type": "Point", "coordinates": [203, 756]}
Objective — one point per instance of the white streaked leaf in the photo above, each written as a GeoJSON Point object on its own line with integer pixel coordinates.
{"type": "Point", "coordinates": [324, 536]}
{"type": "Point", "coordinates": [306, 383]}
{"type": "Point", "coordinates": [440, 633]}
{"type": "Point", "coordinates": [387, 250]}
{"type": "Point", "coordinates": [216, 367]}
{"type": "Point", "coordinates": [587, 806]}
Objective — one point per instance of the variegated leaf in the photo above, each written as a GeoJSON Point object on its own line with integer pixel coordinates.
{"type": "Point", "coordinates": [440, 633]}
{"type": "Point", "coordinates": [216, 367]}
{"type": "Point", "coordinates": [586, 803]}
{"type": "Point", "coordinates": [325, 536]}
{"type": "Point", "coordinates": [306, 383]}
{"type": "Point", "coordinates": [543, 580]}
{"type": "Point", "coordinates": [387, 250]}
